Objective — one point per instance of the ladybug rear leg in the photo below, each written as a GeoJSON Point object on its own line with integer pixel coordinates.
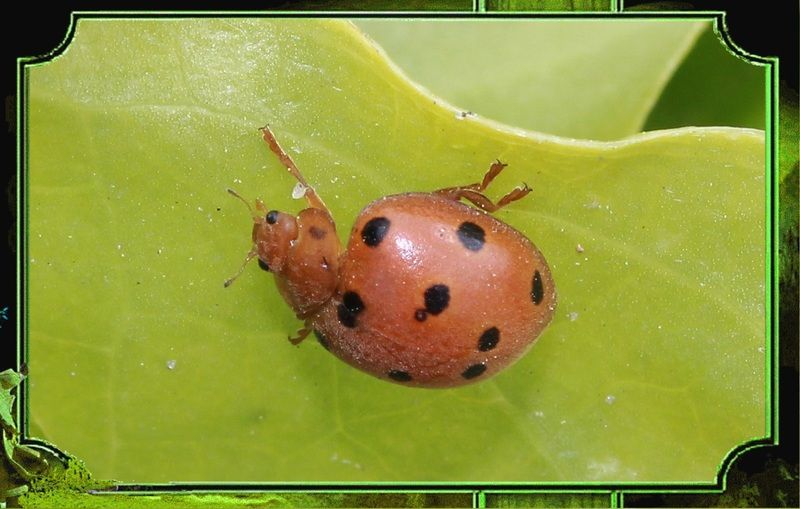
{"type": "Point", "coordinates": [474, 192]}
{"type": "Point", "coordinates": [310, 194]}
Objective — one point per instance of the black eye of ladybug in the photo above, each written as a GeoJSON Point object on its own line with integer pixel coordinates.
{"type": "Point", "coordinates": [272, 216]}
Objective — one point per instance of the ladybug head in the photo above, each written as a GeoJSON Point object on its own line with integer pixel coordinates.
{"type": "Point", "coordinates": [273, 233]}
{"type": "Point", "coordinates": [302, 252]}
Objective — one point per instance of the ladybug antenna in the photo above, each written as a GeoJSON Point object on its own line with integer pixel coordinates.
{"type": "Point", "coordinates": [259, 205]}
{"type": "Point", "coordinates": [256, 219]}
{"type": "Point", "coordinates": [252, 254]}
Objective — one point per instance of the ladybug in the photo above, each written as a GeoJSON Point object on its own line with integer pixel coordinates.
{"type": "Point", "coordinates": [431, 292]}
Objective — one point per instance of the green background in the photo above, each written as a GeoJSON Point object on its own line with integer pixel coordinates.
{"type": "Point", "coordinates": [145, 367]}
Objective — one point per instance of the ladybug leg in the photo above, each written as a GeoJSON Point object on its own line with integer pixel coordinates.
{"type": "Point", "coordinates": [470, 194]}
{"type": "Point", "coordinates": [310, 194]}
{"type": "Point", "coordinates": [301, 334]}
{"type": "Point", "coordinates": [474, 192]}
{"type": "Point", "coordinates": [516, 194]}
{"type": "Point", "coordinates": [493, 171]}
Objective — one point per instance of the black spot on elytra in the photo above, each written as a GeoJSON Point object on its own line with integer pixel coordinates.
{"type": "Point", "coordinates": [471, 235]}
{"type": "Point", "coordinates": [420, 315]}
{"type": "Point", "coordinates": [272, 216]}
{"type": "Point", "coordinates": [399, 376]}
{"type": "Point", "coordinates": [489, 339]}
{"type": "Point", "coordinates": [437, 297]}
{"type": "Point", "coordinates": [317, 233]}
{"type": "Point", "coordinates": [263, 265]}
{"type": "Point", "coordinates": [474, 370]}
{"type": "Point", "coordinates": [349, 309]}
{"type": "Point", "coordinates": [374, 231]}
{"type": "Point", "coordinates": [322, 339]}
{"type": "Point", "coordinates": [537, 288]}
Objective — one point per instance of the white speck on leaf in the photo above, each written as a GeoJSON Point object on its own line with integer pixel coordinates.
{"type": "Point", "coordinates": [299, 191]}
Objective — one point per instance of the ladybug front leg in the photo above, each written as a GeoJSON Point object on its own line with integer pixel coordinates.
{"type": "Point", "coordinates": [311, 195]}
{"type": "Point", "coordinates": [473, 192]}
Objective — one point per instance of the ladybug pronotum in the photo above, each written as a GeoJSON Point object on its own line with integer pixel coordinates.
{"type": "Point", "coordinates": [430, 292]}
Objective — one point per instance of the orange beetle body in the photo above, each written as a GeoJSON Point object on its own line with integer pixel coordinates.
{"type": "Point", "coordinates": [430, 292]}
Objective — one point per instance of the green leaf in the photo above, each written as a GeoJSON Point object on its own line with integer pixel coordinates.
{"type": "Point", "coordinates": [8, 380]}
{"type": "Point", "coordinates": [722, 88]}
{"type": "Point", "coordinates": [142, 364]}
{"type": "Point", "coordinates": [577, 78]}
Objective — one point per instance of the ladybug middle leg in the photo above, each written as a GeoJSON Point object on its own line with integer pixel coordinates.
{"type": "Point", "coordinates": [474, 192]}
{"type": "Point", "coordinates": [301, 334]}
